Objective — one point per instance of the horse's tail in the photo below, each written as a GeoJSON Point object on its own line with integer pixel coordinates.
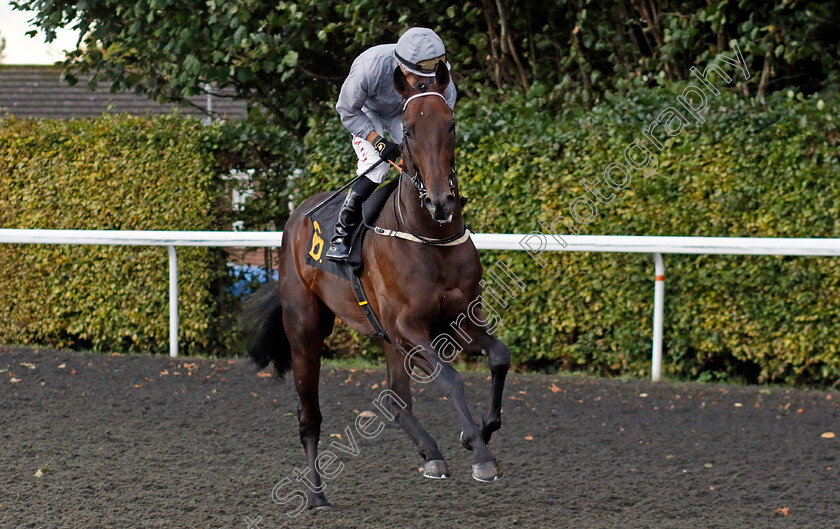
{"type": "Point", "coordinates": [267, 341]}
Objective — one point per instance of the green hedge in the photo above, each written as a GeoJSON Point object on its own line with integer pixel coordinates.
{"type": "Point", "coordinates": [117, 173]}
{"type": "Point", "coordinates": [752, 170]}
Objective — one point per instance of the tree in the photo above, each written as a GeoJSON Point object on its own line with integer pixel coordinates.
{"type": "Point", "coordinates": [289, 58]}
{"type": "Point", "coordinates": [171, 49]}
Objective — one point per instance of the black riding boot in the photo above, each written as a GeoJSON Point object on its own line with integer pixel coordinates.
{"type": "Point", "coordinates": [348, 218]}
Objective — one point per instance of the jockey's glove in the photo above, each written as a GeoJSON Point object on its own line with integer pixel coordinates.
{"type": "Point", "coordinates": [388, 150]}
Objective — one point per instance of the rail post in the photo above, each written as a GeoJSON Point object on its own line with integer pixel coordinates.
{"type": "Point", "coordinates": [173, 301]}
{"type": "Point", "coordinates": [658, 315]}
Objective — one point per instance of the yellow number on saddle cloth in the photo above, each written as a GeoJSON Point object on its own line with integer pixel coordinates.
{"type": "Point", "coordinates": [317, 243]}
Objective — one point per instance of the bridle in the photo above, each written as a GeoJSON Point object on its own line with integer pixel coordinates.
{"type": "Point", "coordinates": [414, 175]}
{"type": "Point", "coordinates": [417, 180]}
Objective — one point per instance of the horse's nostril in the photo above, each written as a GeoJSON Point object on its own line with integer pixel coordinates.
{"type": "Point", "coordinates": [428, 202]}
{"type": "Point", "coordinates": [450, 198]}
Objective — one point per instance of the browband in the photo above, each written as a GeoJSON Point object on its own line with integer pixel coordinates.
{"type": "Point", "coordinates": [421, 94]}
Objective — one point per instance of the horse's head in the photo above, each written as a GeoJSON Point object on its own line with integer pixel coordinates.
{"type": "Point", "coordinates": [428, 147]}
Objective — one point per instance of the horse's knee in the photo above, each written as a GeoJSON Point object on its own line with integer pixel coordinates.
{"type": "Point", "coordinates": [498, 356]}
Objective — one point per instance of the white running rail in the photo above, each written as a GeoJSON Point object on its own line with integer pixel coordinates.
{"type": "Point", "coordinates": [655, 246]}
{"type": "Point", "coordinates": [170, 239]}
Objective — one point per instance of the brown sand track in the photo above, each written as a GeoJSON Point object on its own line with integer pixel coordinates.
{"type": "Point", "coordinates": [130, 447]}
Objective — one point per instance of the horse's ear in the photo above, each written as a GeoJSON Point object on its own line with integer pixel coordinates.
{"type": "Point", "coordinates": [400, 82]}
{"type": "Point", "coordinates": [441, 75]}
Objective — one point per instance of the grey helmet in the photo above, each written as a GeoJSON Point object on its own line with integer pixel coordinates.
{"type": "Point", "coordinates": [419, 50]}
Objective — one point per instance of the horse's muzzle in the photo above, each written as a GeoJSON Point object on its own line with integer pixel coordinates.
{"type": "Point", "coordinates": [441, 209]}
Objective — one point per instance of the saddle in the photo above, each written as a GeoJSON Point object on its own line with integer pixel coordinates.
{"type": "Point", "coordinates": [323, 221]}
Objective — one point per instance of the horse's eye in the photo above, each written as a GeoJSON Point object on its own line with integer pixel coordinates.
{"type": "Point", "coordinates": [452, 128]}
{"type": "Point", "coordinates": [406, 133]}
{"type": "Point", "coordinates": [421, 86]}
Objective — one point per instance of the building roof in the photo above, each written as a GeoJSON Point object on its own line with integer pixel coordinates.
{"type": "Point", "coordinates": [38, 92]}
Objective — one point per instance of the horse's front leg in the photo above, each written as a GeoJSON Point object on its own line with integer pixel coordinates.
{"type": "Point", "coordinates": [413, 340]}
{"type": "Point", "coordinates": [498, 358]}
{"type": "Point", "coordinates": [398, 381]}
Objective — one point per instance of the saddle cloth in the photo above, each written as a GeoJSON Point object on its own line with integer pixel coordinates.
{"type": "Point", "coordinates": [323, 222]}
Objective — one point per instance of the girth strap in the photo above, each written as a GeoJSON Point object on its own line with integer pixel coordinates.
{"type": "Point", "coordinates": [378, 331]}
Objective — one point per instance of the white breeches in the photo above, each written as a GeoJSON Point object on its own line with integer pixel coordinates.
{"type": "Point", "coordinates": [368, 156]}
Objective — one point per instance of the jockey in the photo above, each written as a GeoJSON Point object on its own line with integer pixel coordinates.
{"type": "Point", "coordinates": [369, 105]}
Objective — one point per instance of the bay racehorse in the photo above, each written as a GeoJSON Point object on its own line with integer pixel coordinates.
{"type": "Point", "coordinates": [417, 289]}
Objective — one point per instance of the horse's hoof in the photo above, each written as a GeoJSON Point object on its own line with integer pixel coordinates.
{"type": "Point", "coordinates": [466, 444]}
{"type": "Point", "coordinates": [486, 472]}
{"type": "Point", "coordinates": [436, 469]}
{"type": "Point", "coordinates": [318, 503]}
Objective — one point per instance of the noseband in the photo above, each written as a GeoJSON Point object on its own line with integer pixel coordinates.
{"type": "Point", "coordinates": [414, 176]}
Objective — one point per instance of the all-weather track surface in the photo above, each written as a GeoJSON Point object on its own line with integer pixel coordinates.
{"type": "Point", "coordinates": [150, 441]}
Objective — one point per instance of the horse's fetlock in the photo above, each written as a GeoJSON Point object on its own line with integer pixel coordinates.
{"type": "Point", "coordinates": [493, 424]}
{"type": "Point", "coordinates": [472, 435]}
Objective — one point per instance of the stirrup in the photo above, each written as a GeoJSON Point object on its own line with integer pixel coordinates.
{"type": "Point", "coordinates": [338, 252]}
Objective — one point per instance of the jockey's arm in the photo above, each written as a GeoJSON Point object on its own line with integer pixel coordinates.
{"type": "Point", "coordinates": [353, 95]}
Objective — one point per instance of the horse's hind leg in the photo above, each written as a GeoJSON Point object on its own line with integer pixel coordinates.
{"type": "Point", "coordinates": [307, 322]}
{"type": "Point", "coordinates": [498, 357]}
{"type": "Point", "coordinates": [398, 382]}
